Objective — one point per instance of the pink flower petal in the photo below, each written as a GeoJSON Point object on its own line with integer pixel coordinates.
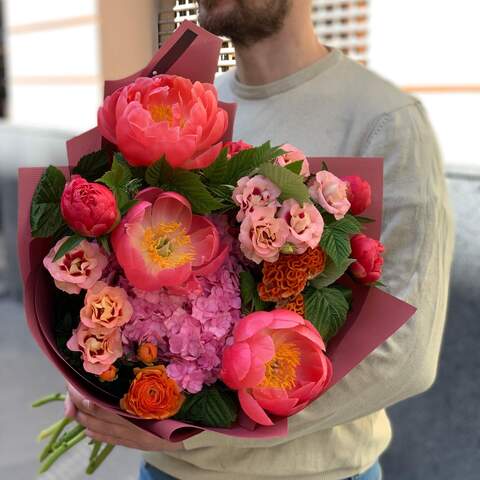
{"type": "Point", "coordinates": [253, 409]}
{"type": "Point", "coordinates": [252, 324]}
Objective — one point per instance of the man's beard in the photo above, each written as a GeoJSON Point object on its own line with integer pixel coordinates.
{"type": "Point", "coordinates": [245, 24]}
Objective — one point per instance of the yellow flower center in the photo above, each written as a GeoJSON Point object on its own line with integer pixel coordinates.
{"type": "Point", "coordinates": [168, 245]}
{"type": "Point", "coordinates": [161, 113]}
{"type": "Point", "coordinates": [280, 371]}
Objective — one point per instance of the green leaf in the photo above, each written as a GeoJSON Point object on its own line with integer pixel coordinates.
{"type": "Point", "coordinates": [327, 309]}
{"type": "Point", "coordinates": [245, 161]}
{"type": "Point", "coordinates": [295, 167]}
{"type": "Point", "coordinates": [215, 173]}
{"type": "Point", "coordinates": [68, 245]}
{"type": "Point", "coordinates": [45, 216]}
{"type": "Point", "coordinates": [127, 206]}
{"type": "Point", "coordinates": [378, 283]}
{"type": "Point", "coordinates": [93, 165]}
{"type": "Point", "coordinates": [290, 184]}
{"type": "Point", "coordinates": [214, 406]}
{"type": "Point", "coordinates": [365, 219]}
{"type": "Point", "coordinates": [331, 273]}
{"type": "Point", "coordinates": [346, 292]}
{"type": "Point", "coordinates": [117, 179]}
{"type": "Point", "coordinates": [158, 173]}
{"type": "Point", "coordinates": [104, 242]}
{"type": "Point", "coordinates": [251, 302]}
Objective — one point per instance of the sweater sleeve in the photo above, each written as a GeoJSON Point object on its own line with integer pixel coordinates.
{"type": "Point", "coordinates": [417, 234]}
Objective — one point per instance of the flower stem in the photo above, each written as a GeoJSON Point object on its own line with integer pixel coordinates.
{"type": "Point", "coordinates": [95, 449]}
{"type": "Point", "coordinates": [54, 397]}
{"type": "Point", "coordinates": [58, 452]}
{"type": "Point", "coordinates": [48, 431]}
{"type": "Point", "coordinates": [67, 436]}
{"type": "Point", "coordinates": [55, 434]}
{"type": "Point", "coordinates": [100, 458]}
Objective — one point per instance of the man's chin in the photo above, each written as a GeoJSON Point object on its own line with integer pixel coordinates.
{"type": "Point", "coordinates": [215, 7]}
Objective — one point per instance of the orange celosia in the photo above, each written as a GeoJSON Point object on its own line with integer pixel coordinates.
{"type": "Point", "coordinates": [294, 304]}
{"type": "Point", "coordinates": [147, 353]}
{"type": "Point", "coordinates": [109, 375]}
{"type": "Point", "coordinates": [152, 394]}
{"type": "Point", "coordinates": [287, 277]}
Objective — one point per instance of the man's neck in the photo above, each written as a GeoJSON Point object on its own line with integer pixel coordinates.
{"type": "Point", "coordinates": [280, 55]}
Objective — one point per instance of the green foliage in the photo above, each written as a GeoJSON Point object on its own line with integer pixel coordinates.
{"type": "Point", "coordinates": [291, 185]}
{"type": "Point", "coordinates": [215, 173]}
{"type": "Point", "coordinates": [365, 219]}
{"type": "Point", "coordinates": [45, 216]}
{"type": "Point", "coordinates": [327, 309]}
{"type": "Point", "coordinates": [295, 167]}
{"type": "Point", "coordinates": [68, 245]}
{"type": "Point", "coordinates": [185, 182]}
{"type": "Point", "coordinates": [93, 165]}
{"type": "Point", "coordinates": [104, 242]}
{"type": "Point", "coordinates": [331, 273]}
{"type": "Point", "coordinates": [251, 301]}
{"type": "Point", "coordinates": [117, 179]}
{"type": "Point", "coordinates": [214, 406]}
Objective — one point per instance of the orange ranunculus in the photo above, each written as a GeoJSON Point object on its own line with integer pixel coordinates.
{"type": "Point", "coordinates": [147, 353]}
{"type": "Point", "coordinates": [109, 375]}
{"type": "Point", "coordinates": [152, 395]}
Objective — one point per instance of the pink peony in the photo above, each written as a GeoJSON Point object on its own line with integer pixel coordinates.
{"type": "Point", "coordinates": [331, 193]}
{"type": "Point", "coordinates": [160, 243]}
{"type": "Point", "coordinates": [100, 347]}
{"type": "Point", "coordinates": [80, 268]}
{"type": "Point", "coordinates": [359, 194]}
{"type": "Point", "coordinates": [305, 224]}
{"type": "Point", "coordinates": [257, 191]}
{"type": "Point", "coordinates": [236, 147]}
{"type": "Point", "coordinates": [89, 209]}
{"type": "Point", "coordinates": [165, 116]}
{"type": "Point", "coordinates": [262, 235]}
{"type": "Point", "coordinates": [293, 155]}
{"type": "Point", "coordinates": [106, 307]}
{"type": "Point", "coordinates": [277, 363]}
{"type": "Point", "coordinates": [369, 261]}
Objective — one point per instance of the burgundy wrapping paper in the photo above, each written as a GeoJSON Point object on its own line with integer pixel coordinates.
{"type": "Point", "coordinates": [375, 316]}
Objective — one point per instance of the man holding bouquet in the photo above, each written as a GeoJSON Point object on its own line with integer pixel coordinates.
{"type": "Point", "coordinates": [289, 86]}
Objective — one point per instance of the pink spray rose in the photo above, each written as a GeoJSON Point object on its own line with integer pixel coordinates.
{"type": "Point", "coordinates": [369, 262]}
{"type": "Point", "coordinates": [80, 268]}
{"type": "Point", "coordinates": [331, 193]}
{"type": "Point", "coordinates": [359, 194]}
{"type": "Point", "coordinates": [106, 307]}
{"type": "Point", "coordinates": [305, 224]}
{"type": "Point", "coordinates": [236, 147]}
{"type": "Point", "coordinates": [277, 363]}
{"type": "Point", "coordinates": [166, 116]}
{"type": "Point", "coordinates": [262, 235]}
{"type": "Point", "coordinates": [100, 347]}
{"type": "Point", "coordinates": [293, 155]}
{"type": "Point", "coordinates": [257, 191]}
{"type": "Point", "coordinates": [89, 209]}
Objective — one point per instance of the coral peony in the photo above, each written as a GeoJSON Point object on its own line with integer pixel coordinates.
{"type": "Point", "coordinates": [80, 268]}
{"type": "Point", "coordinates": [369, 262]}
{"type": "Point", "coordinates": [106, 307]}
{"type": "Point", "coordinates": [331, 193]}
{"type": "Point", "coordinates": [100, 347]}
{"type": "Point", "coordinates": [160, 243]}
{"type": "Point", "coordinates": [89, 209]}
{"type": "Point", "coordinates": [257, 191]}
{"type": "Point", "coordinates": [236, 147]}
{"type": "Point", "coordinates": [165, 116]}
{"type": "Point", "coordinates": [305, 224]}
{"type": "Point", "coordinates": [277, 363]}
{"type": "Point", "coordinates": [152, 394]}
{"type": "Point", "coordinates": [359, 194]}
{"type": "Point", "coordinates": [262, 235]}
{"type": "Point", "coordinates": [292, 155]}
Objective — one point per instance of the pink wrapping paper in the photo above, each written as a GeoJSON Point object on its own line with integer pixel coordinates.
{"type": "Point", "coordinates": [375, 315]}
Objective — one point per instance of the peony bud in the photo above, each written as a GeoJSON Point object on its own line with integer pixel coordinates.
{"type": "Point", "coordinates": [369, 262]}
{"type": "Point", "coordinates": [359, 194]}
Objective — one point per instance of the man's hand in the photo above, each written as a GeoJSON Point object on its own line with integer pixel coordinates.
{"type": "Point", "coordinates": [107, 427]}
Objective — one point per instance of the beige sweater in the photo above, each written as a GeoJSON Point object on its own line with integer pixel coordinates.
{"type": "Point", "coordinates": [338, 108]}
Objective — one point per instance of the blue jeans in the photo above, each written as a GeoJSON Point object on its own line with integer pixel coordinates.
{"type": "Point", "coordinates": [148, 472]}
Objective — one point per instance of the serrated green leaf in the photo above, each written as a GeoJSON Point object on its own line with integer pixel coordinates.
{"type": "Point", "coordinates": [68, 245]}
{"type": "Point", "coordinates": [291, 185]}
{"type": "Point", "coordinates": [331, 273]}
{"type": "Point", "coordinates": [327, 309]}
{"type": "Point", "coordinates": [251, 302]}
{"type": "Point", "coordinates": [45, 216]}
{"type": "Point", "coordinates": [159, 173]}
{"type": "Point", "coordinates": [244, 162]}
{"type": "Point", "coordinates": [346, 292]}
{"type": "Point", "coordinates": [348, 225]}
{"type": "Point", "coordinates": [215, 173]}
{"type": "Point", "coordinates": [335, 244]}
{"type": "Point", "coordinates": [214, 406]}
{"type": "Point", "coordinates": [117, 179]}
{"type": "Point", "coordinates": [93, 165]}
{"type": "Point", "coordinates": [295, 167]}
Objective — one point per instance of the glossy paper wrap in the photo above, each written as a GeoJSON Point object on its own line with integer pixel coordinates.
{"type": "Point", "coordinates": [193, 53]}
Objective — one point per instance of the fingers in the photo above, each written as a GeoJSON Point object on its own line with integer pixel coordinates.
{"type": "Point", "coordinates": [95, 424]}
{"type": "Point", "coordinates": [100, 437]}
{"type": "Point", "coordinates": [70, 409]}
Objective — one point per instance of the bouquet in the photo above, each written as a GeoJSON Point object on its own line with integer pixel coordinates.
{"type": "Point", "coordinates": [187, 281]}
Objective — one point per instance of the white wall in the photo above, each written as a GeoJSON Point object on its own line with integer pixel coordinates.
{"type": "Point", "coordinates": [426, 44]}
